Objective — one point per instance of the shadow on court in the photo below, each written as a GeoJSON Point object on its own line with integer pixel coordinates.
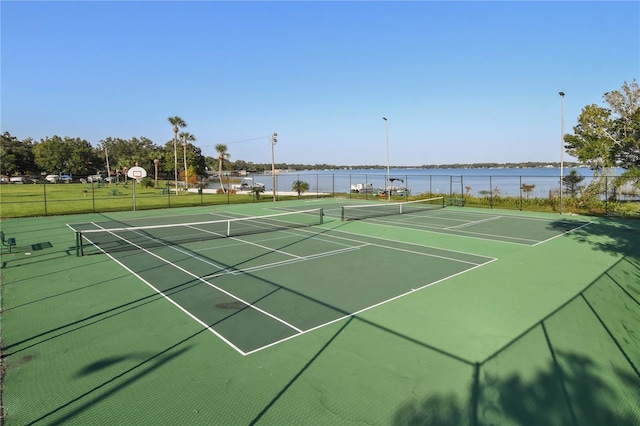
{"type": "Point", "coordinates": [538, 378]}
{"type": "Point", "coordinates": [148, 363]}
{"type": "Point", "coordinates": [618, 237]}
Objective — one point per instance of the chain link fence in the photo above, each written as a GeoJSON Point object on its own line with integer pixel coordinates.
{"type": "Point", "coordinates": [592, 195]}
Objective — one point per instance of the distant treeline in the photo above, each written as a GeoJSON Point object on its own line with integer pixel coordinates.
{"type": "Point", "coordinates": [525, 165]}
{"type": "Point", "coordinates": [522, 165]}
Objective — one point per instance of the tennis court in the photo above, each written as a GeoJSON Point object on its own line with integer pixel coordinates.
{"type": "Point", "coordinates": [255, 282]}
{"type": "Point", "coordinates": [506, 228]}
{"type": "Point", "coordinates": [321, 311]}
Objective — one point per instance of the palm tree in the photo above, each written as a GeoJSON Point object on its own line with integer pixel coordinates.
{"type": "Point", "coordinates": [186, 137]}
{"type": "Point", "coordinates": [221, 149]}
{"type": "Point", "coordinates": [256, 191]}
{"type": "Point", "coordinates": [300, 187]}
{"type": "Point", "coordinates": [177, 123]}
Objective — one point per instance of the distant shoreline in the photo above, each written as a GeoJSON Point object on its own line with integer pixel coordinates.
{"type": "Point", "coordinates": [522, 165]}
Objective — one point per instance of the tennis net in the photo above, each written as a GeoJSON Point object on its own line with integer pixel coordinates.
{"type": "Point", "coordinates": [365, 211]}
{"type": "Point", "coordinates": [146, 237]}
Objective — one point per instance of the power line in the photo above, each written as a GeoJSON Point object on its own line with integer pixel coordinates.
{"type": "Point", "coordinates": [240, 141]}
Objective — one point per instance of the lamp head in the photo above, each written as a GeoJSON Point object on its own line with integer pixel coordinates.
{"type": "Point", "coordinates": [561, 94]}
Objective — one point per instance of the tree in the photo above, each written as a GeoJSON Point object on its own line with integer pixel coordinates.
{"type": "Point", "coordinates": [256, 191]}
{"type": "Point", "coordinates": [221, 149]}
{"type": "Point", "coordinates": [177, 124]}
{"type": "Point", "coordinates": [16, 157]}
{"type": "Point", "coordinates": [70, 155]}
{"type": "Point", "coordinates": [186, 137]}
{"type": "Point", "coordinates": [593, 142]}
{"type": "Point", "coordinates": [527, 189]}
{"type": "Point", "coordinates": [572, 182]}
{"type": "Point", "coordinates": [625, 104]}
{"type": "Point", "coordinates": [126, 153]}
{"type": "Point", "coordinates": [608, 137]}
{"type": "Point", "coordinates": [189, 176]}
{"type": "Point", "coordinates": [299, 187]}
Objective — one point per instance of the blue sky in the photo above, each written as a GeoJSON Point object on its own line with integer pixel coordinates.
{"type": "Point", "coordinates": [460, 82]}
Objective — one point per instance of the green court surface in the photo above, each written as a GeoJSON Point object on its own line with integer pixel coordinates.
{"type": "Point", "coordinates": [450, 316]}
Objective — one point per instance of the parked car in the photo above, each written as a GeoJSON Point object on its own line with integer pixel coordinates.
{"type": "Point", "coordinates": [52, 178]}
{"type": "Point", "coordinates": [18, 179]}
{"type": "Point", "coordinates": [94, 178]}
{"type": "Point", "coordinates": [66, 178]}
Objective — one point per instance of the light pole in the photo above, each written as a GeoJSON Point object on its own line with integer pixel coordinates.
{"type": "Point", "coordinates": [388, 185]}
{"type": "Point", "coordinates": [274, 141]}
{"type": "Point", "coordinates": [561, 149]}
{"type": "Point", "coordinates": [155, 165]}
{"type": "Point", "coordinates": [175, 156]}
{"type": "Point", "coordinates": [186, 181]}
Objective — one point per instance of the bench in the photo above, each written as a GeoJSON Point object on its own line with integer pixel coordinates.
{"type": "Point", "coordinates": [8, 242]}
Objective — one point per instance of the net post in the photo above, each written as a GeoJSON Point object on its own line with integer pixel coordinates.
{"type": "Point", "coordinates": [443, 204]}
{"type": "Point", "coordinates": [79, 244]}
{"type": "Point", "coordinates": [321, 216]}
{"type": "Point", "coordinates": [342, 214]}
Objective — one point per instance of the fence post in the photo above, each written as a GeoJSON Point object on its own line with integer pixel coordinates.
{"type": "Point", "coordinates": [606, 195]}
{"type": "Point", "coordinates": [490, 192]}
{"type": "Point", "coordinates": [366, 185]}
{"type": "Point", "coordinates": [44, 189]}
{"type": "Point", "coordinates": [520, 192]}
{"type": "Point", "coordinates": [93, 196]}
{"type": "Point", "coordinates": [450, 186]}
{"type": "Point", "coordinates": [201, 191]}
{"type": "Point", "coordinates": [406, 187]}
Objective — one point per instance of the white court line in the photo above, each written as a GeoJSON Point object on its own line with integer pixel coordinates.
{"type": "Point", "coordinates": [396, 241]}
{"type": "Point", "coordinates": [203, 279]}
{"type": "Point", "coordinates": [475, 222]}
{"type": "Point", "coordinates": [411, 251]}
{"type": "Point", "coordinates": [496, 238]}
{"type": "Point", "coordinates": [564, 233]}
{"type": "Point", "coordinates": [433, 214]}
{"type": "Point", "coordinates": [283, 262]}
{"type": "Point", "coordinates": [463, 234]}
{"type": "Point", "coordinates": [512, 214]}
{"type": "Point", "coordinates": [384, 302]}
{"type": "Point", "coordinates": [206, 326]}
{"type": "Point", "coordinates": [299, 331]}
{"type": "Point", "coordinates": [206, 282]}
{"type": "Point", "coordinates": [252, 244]}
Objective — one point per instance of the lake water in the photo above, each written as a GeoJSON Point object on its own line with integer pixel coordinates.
{"type": "Point", "coordinates": [476, 182]}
